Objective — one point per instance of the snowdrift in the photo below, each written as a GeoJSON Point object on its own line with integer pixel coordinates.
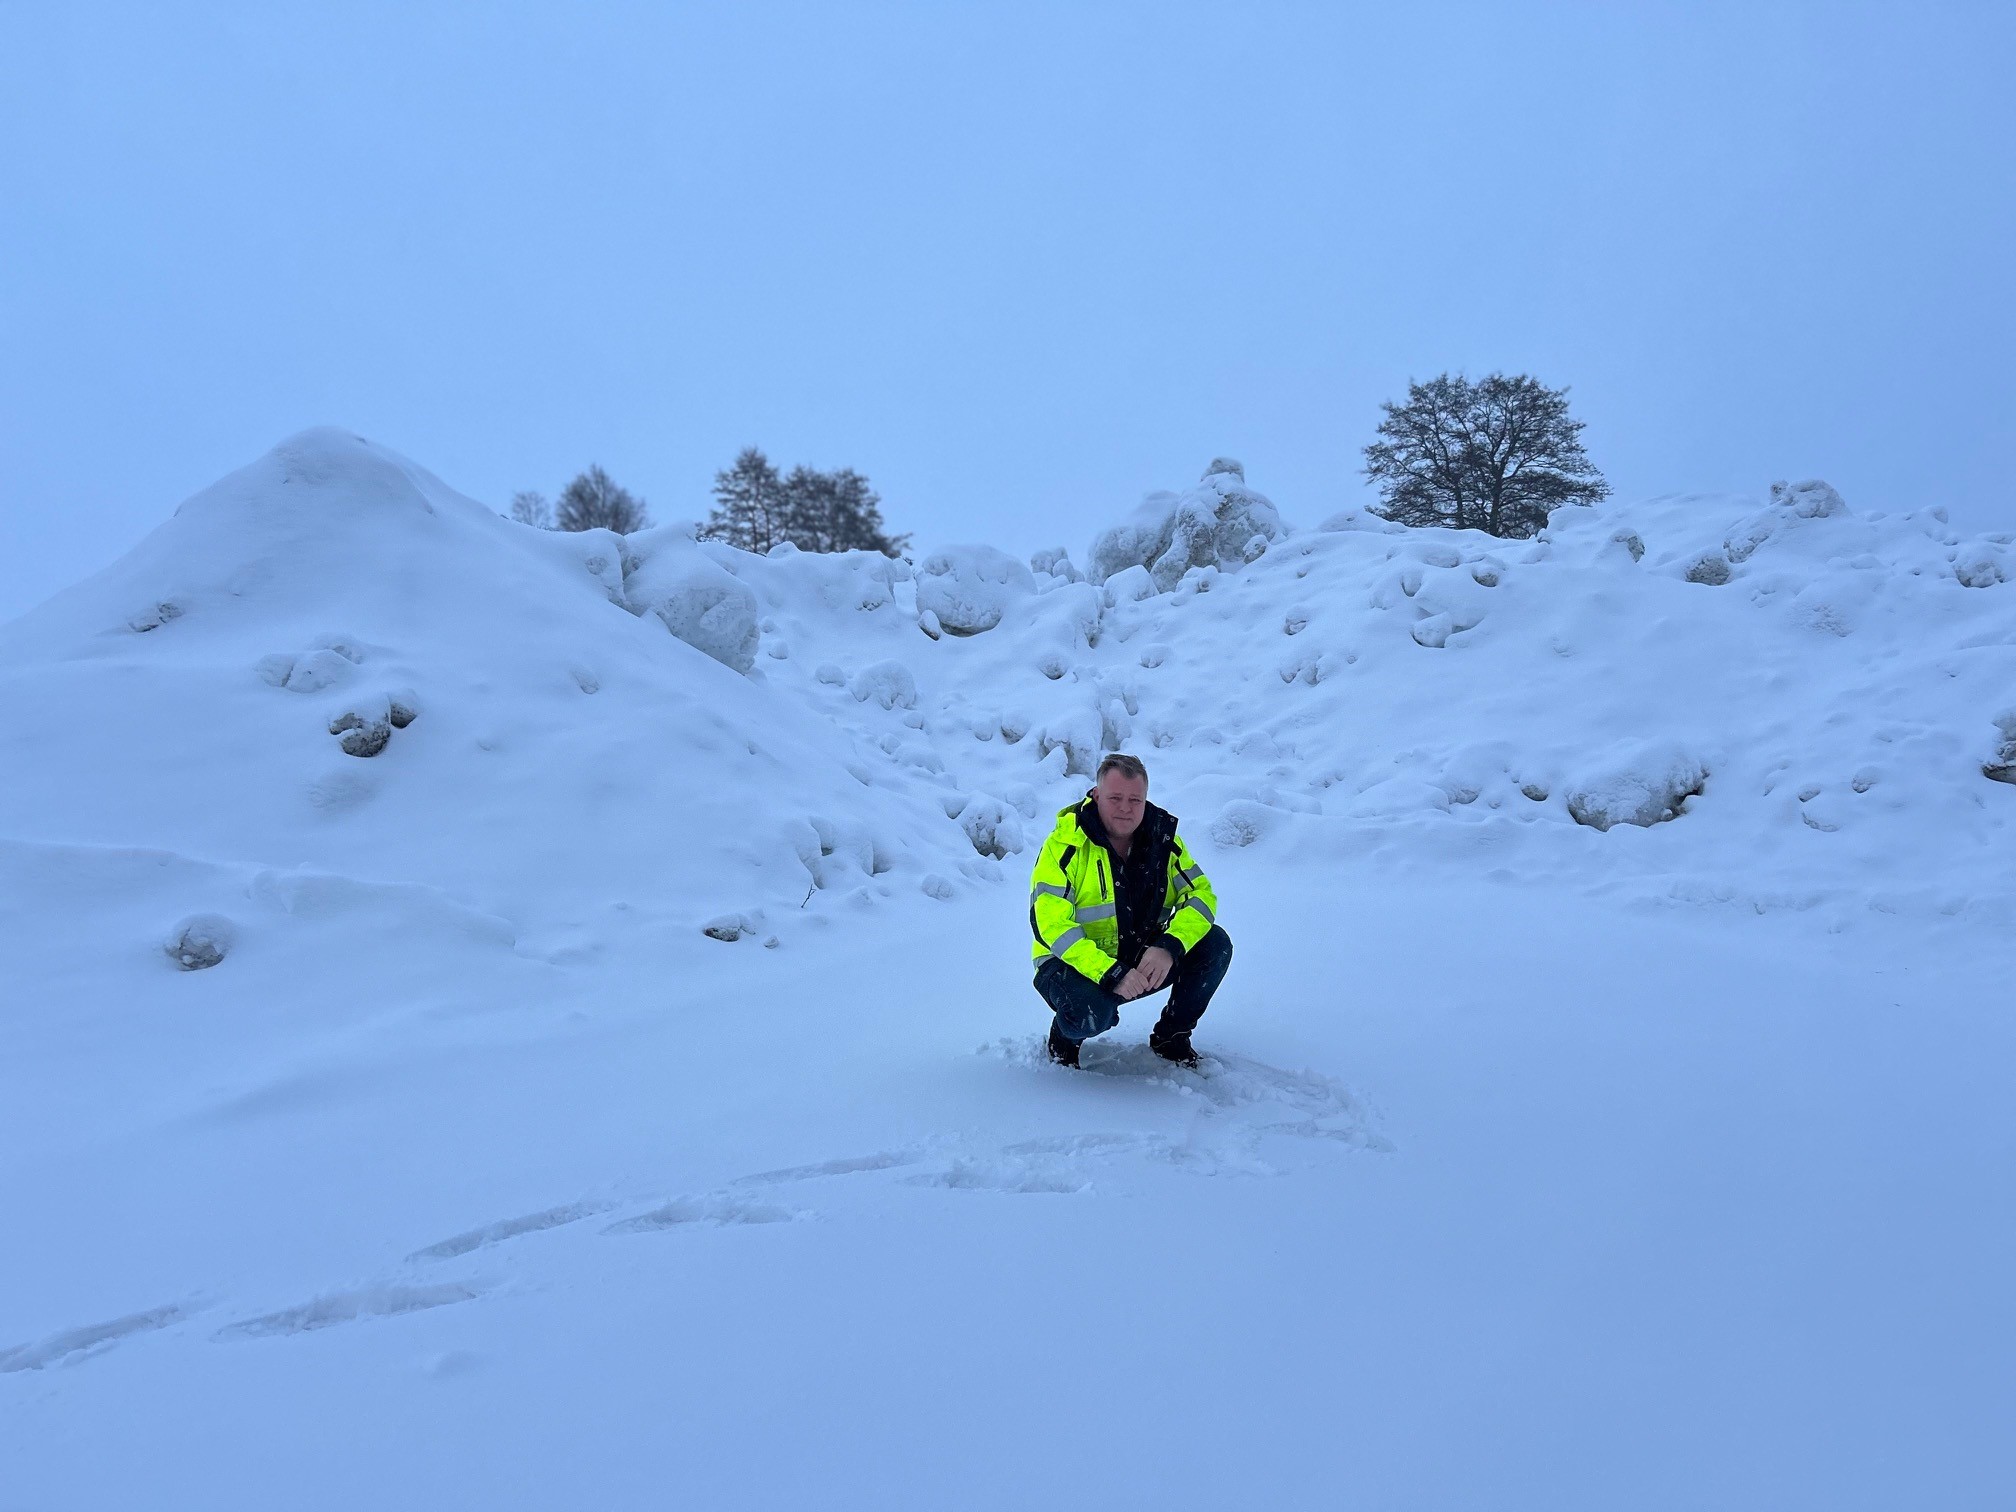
{"type": "Point", "coordinates": [331, 662]}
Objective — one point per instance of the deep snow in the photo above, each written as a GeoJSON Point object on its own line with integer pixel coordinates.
{"type": "Point", "coordinates": [623, 1087]}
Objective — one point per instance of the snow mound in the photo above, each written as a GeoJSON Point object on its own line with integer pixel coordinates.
{"type": "Point", "coordinates": [969, 588]}
{"type": "Point", "coordinates": [888, 683]}
{"type": "Point", "coordinates": [666, 574]}
{"type": "Point", "coordinates": [1221, 523]}
{"type": "Point", "coordinates": [372, 675]}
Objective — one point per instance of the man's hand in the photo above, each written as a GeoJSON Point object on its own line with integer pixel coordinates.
{"type": "Point", "coordinates": [1150, 976]}
{"type": "Point", "coordinates": [1156, 964]}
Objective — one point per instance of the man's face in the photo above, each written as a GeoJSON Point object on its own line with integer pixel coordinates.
{"type": "Point", "coordinates": [1122, 800]}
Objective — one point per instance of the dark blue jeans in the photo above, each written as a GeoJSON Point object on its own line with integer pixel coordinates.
{"type": "Point", "coordinates": [1084, 1008]}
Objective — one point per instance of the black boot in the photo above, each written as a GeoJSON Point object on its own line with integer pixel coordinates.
{"type": "Point", "coordinates": [1173, 1047]}
{"type": "Point", "coordinates": [1063, 1051]}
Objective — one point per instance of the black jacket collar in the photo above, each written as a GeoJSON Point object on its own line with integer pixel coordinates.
{"type": "Point", "coordinates": [1156, 823]}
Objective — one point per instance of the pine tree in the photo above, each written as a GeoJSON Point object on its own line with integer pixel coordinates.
{"type": "Point", "coordinates": [836, 511]}
{"type": "Point", "coordinates": [1495, 455]}
{"type": "Point", "coordinates": [749, 504]}
{"type": "Point", "coordinates": [755, 508]}
{"type": "Point", "coordinates": [593, 501]}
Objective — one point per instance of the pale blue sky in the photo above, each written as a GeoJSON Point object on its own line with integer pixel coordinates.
{"type": "Point", "coordinates": [1018, 263]}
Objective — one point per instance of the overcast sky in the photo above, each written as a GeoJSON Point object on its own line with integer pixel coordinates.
{"type": "Point", "coordinates": [1019, 263]}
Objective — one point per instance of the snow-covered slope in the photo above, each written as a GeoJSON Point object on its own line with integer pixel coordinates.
{"type": "Point", "coordinates": [1361, 693]}
{"type": "Point", "coordinates": [545, 754]}
{"type": "Point", "coordinates": [562, 958]}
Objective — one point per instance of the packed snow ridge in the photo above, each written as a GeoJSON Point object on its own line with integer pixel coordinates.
{"type": "Point", "coordinates": [330, 678]}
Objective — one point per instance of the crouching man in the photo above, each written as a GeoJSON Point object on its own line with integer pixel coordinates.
{"type": "Point", "coordinates": [1120, 910]}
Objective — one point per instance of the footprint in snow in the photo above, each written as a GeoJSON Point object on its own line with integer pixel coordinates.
{"type": "Point", "coordinates": [994, 1175]}
{"type": "Point", "coordinates": [1311, 1105]}
{"type": "Point", "coordinates": [881, 1160]}
{"type": "Point", "coordinates": [509, 1228]}
{"type": "Point", "coordinates": [73, 1344]}
{"type": "Point", "coordinates": [349, 1307]}
{"type": "Point", "coordinates": [714, 1209]}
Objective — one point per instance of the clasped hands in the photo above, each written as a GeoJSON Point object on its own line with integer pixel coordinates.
{"type": "Point", "coordinates": [1150, 976]}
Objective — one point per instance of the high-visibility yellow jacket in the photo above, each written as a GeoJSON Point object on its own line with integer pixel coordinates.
{"type": "Point", "coordinates": [1073, 911]}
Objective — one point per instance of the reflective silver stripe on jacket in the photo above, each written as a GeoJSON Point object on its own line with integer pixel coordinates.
{"type": "Point", "coordinates": [1190, 876]}
{"type": "Point", "coordinates": [1066, 940]}
{"type": "Point", "coordinates": [1096, 911]}
{"type": "Point", "coordinates": [1049, 889]}
{"type": "Point", "coordinates": [1201, 906]}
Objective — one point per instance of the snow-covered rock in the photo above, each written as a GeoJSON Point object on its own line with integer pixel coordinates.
{"type": "Point", "coordinates": [1809, 500]}
{"type": "Point", "coordinates": [889, 683]}
{"type": "Point", "coordinates": [994, 827]}
{"type": "Point", "coordinates": [969, 588]}
{"type": "Point", "coordinates": [1055, 562]}
{"type": "Point", "coordinates": [1635, 782]}
{"type": "Point", "coordinates": [1980, 565]}
{"type": "Point", "coordinates": [2002, 765]}
{"type": "Point", "coordinates": [669, 576]}
{"type": "Point", "coordinates": [197, 944]}
{"type": "Point", "coordinates": [1220, 523]}
{"type": "Point", "coordinates": [1711, 568]}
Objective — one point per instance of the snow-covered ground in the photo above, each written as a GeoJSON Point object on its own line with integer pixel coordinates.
{"type": "Point", "coordinates": [622, 1087]}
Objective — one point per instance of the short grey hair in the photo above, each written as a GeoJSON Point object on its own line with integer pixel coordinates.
{"type": "Point", "coordinates": [1129, 766]}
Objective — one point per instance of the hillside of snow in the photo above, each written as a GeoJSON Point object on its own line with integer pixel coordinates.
{"type": "Point", "coordinates": [536, 1019]}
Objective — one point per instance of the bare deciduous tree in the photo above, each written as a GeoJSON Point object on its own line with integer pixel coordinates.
{"type": "Point", "coordinates": [1495, 455]}
{"type": "Point", "coordinates": [529, 507]}
{"type": "Point", "coordinates": [593, 501]}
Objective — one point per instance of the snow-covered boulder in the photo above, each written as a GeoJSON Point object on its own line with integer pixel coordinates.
{"type": "Point", "coordinates": [993, 826]}
{"type": "Point", "coordinates": [969, 588]}
{"type": "Point", "coordinates": [197, 944]}
{"type": "Point", "coordinates": [1129, 586]}
{"type": "Point", "coordinates": [1074, 615]}
{"type": "Point", "coordinates": [1055, 561]}
{"type": "Point", "coordinates": [888, 683]}
{"type": "Point", "coordinates": [1221, 523]}
{"type": "Point", "coordinates": [1711, 568]}
{"type": "Point", "coordinates": [1244, 822]}
{"type": "Point", "coordinates": [1636, 783]}
{"type": "Point", "coordinates": [1080, 735]}
{"type": "Point", "coordinates": [2002, 767]}
{"type": "Point", "coordinates": [700, 602]}
{"type": "Point", "coordinates": [1979, 565]}
{"type": "Point", "coordinates": [1809, 500]}
{"type": "Point", "coordinates": [1791, 504]}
